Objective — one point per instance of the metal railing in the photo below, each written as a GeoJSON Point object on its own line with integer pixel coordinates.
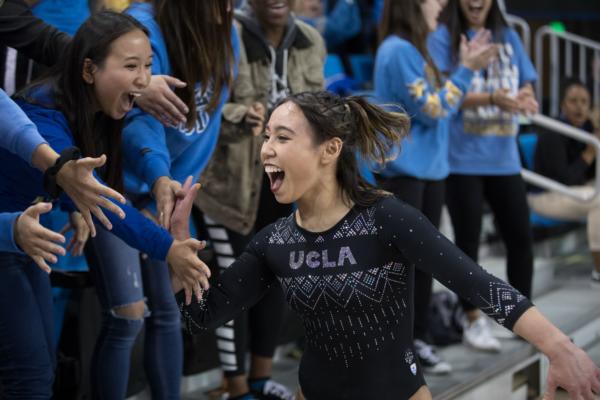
{"type": "Point", "coordinates": [571, 44]}
{"type": "Point", "coordinates": [572, 132]}
{"type": "Point", "coordinates": [522, 27]}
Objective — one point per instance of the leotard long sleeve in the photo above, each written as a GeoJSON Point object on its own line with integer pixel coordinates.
{"type": "Point", "coordinates": [352, 285]}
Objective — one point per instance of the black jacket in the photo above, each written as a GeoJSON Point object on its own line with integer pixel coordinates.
{"type": "Point", "coordinates": [559, 157]}
{"type": "Point", "coordinates": [21, 30]}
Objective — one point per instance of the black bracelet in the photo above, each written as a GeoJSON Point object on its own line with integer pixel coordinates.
{"type": "Point", "coordinates": [50, 185]}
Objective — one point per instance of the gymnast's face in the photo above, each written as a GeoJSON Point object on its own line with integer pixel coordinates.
{"type": "Point", "coordinates": [292, 159]}
{"type": "Point", "coordinates": [123, 74]}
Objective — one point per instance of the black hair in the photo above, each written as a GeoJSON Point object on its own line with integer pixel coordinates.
{"type": "Point", "coordinates": [95, 133]}
{"type": "Point", "coordinates": [366, 130]}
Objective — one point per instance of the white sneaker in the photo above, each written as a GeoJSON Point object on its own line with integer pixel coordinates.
{"type": "Point", "coordinates": [429, 360]}
{"type": "Point", "coordinates": [595, 279]}
{"type": "Point", "coordinates": [478, 335]}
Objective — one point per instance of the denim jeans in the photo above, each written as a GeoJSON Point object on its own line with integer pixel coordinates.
{"type": "Point", "coordinates": [27, 358]}
{"type": "Point", "coordinates": [121, 280]}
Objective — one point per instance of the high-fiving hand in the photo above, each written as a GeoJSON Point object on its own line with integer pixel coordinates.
{"type": "Point", "coordinates": [38, 242]}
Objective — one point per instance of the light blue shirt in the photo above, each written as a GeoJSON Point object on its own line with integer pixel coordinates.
{"type": "Point", "coordinates": [483, 139]}
{"type": "Point", "coordinates": [403, 77]}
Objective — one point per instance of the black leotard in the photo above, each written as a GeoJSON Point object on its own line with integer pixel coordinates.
{"type": "Point", "coordinates": [352, 286]}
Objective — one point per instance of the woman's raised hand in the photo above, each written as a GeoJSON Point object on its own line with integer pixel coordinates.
{"type": "Point", "coordinates": [479, 51]}
{"type": "Point", "coordinates": [81, 233]}
{"type": "Point", "coordinates": [166, 191]}
{"type": "Point", "coordinates": [39, 243]}
{"type": "Point", "coordinates": [160, 101]}
{"type": "Point", "coordinates": [180, 227]}
{"type": "Point", "coordinates": [77, 179]}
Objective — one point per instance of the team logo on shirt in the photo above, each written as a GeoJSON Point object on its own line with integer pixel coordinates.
{"type": "Point", "coordinates": [409, 358]}
{"type": "Point", "coordinates": [202, 117]}
{"type": "Point", "coordinates": [413, 368]}
{"type": "Point", "coordinates": [500, 74]}
{"type": "Point", "coordinates": [316, 259]}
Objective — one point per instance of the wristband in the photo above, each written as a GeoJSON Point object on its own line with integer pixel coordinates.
{"type": "Point", "coordinates": [50, 185]}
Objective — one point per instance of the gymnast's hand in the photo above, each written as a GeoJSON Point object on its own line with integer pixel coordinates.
{"type": "Point", "coordinates": [570, 368]}
{"type": "Point", "coordinates": [77, 179]}
{"type": "Point", "coordinates": [160, 101]}
{"type": "Point", "coordinates": [573, 370]}
{"type": "Point", "coordinates": [187, 268]}
{"type": "Point", "coordinates": [38, 242]}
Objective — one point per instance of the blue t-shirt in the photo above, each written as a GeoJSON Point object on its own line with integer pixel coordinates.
{"type": "Point", "coordinates": [150, 149]}
{"type": "Point", "coordinates": [20, 185]}
{"type": "Point", "coordinates": [403, 77]}
{"type": "Point", "coordinates": [483, 139]}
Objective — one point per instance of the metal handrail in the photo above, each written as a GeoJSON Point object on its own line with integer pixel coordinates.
{"type": "Point", "coordinates": [567, 130]}
{"type": "Point", "coordinates": [523, 26]}
{"type": "Point", "coordinates": [585, 45]}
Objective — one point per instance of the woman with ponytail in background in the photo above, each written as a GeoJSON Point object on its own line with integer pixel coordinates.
{"type": "Point", "coordinates": [405, 74]}
{"type": "Point", "coordinates": [483, 152]}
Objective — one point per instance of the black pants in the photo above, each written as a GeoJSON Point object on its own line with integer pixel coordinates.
{"type": "Point", "coordinates": [428, 197]}
{"type": "Point", "coordinates": [507, 198]}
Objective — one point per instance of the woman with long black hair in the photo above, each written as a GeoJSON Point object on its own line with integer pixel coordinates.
{"type": "Point", "coordinates": [194, 41]}
{"type": "Point", "coordinates": [79, 104]}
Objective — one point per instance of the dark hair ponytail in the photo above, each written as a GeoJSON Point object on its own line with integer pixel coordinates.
{"type": "Point", "coordinates": [366, 130]}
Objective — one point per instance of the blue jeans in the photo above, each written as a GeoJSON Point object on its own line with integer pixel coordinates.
{"type": "Point", "coordinates": [27, 358]}
{"type": "Point", "coordinates": [121, 280]}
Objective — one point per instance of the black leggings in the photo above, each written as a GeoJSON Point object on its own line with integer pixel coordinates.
{"type": "Point", "coordinates": [428, 197]}
{"type": "Point", "coordinates": [507, 198]}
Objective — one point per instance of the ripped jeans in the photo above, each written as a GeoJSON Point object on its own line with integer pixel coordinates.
{"type": "Point", "coordinates": [123, 283]}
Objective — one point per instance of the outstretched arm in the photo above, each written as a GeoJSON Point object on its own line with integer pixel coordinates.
{"type": "Point", "coordinates": [431, 252]}
{"type": "Point", "coordinates": [19, 135]}
{"type": "Point", "coordinates": [570, 367]}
